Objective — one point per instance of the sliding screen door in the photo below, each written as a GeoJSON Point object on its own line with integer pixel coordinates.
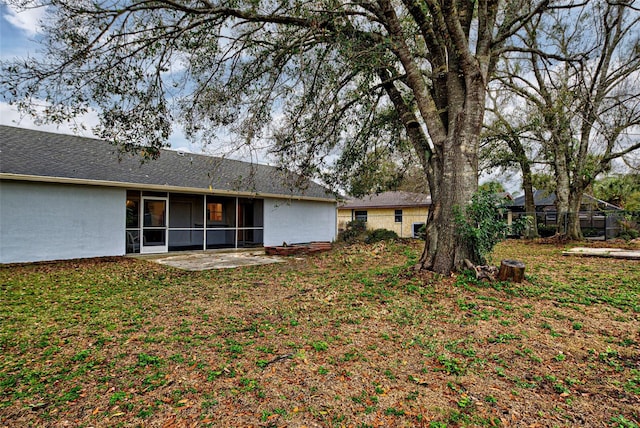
{"type": "Point", "coordinates": [154, 225]}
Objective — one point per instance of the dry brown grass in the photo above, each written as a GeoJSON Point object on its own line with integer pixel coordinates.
{"type": "Point", "coordinates": [348, 338]}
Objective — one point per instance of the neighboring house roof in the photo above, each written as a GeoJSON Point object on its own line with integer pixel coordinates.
{"type": "Point", "coordinates": [542, 198]}
{"type": "Point", "coordinates": [43, 156]}
{"type": "Point", "coordinates": [396, 199]}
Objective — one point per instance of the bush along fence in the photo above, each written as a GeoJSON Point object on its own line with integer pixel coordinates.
{"type": "Point", "coordinates": [600, 225]}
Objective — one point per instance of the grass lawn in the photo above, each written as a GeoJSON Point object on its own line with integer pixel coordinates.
{"type": "Point", "coordinates": [350, 338]}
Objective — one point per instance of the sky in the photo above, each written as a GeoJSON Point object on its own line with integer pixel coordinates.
{"type": "Point", "coordinates": [18, 38]}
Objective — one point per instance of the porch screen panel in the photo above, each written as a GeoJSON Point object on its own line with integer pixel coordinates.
{"type": "Point", "coordinates": [250, 222]}
{"type": "Point", "coordinates": [250, 237]}
{"type": "Point", "coordinates": [133, 221]}
{"type": "Point", "coordinates": [190, 239]}
{"type": "Point", "coordinates": [185, 211]}
{"type": "Point", "coordinates": [221, 212]}
{"type": "Point", "coordinates": [220, 238]}
{"type": "Point", "coordinates": [186, 222]}
{"type": "Point", "coordinates": [133, 209]}
{"type": "Point", "coordinates": [133, 240]}
{"type": "Point", "coordinates": [154, 213]}
{"type": "Point", "coordinates": [153, 237]}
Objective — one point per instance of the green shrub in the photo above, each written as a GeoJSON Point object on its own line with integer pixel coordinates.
{"type": "Point", "coordinates": [523, 226]}
{"type": "Point", "coordinates": [629, 234]}
{"type": "Point", "coordinates": [480, 224]}
{"type": "Point", "coordinates": [546, 231]}
{"type": "Point", "coordinates": [422, 232]}
{"type": "Point", "coordinates": [628, 229]}
{"type": "Point", "coordinates": [381, 235]}
{"type": "Point", "coordinates": [591, 231]}
{"type": "Point", "coordinates": [355, 230]}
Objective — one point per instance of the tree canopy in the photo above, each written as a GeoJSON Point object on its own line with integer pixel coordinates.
{"type": "Point", "coordinates": [322, 81]}
{"type": "Point", "coordinates": [621, 190]}
{"type": "Point", "coordinates": [576, 84]}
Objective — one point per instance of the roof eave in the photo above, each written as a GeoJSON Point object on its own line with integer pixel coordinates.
{"type": "Point", "coordinates": [353, 207]}
{"type": "Point", "coordinates": [155, 187]}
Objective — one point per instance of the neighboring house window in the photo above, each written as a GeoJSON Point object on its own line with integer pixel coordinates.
{"type": "Point", "coordinates": [417, 230]}
{"type": "Point", "coordinates": [361, 215]}
{"type": "Point", "coordinates": [214, 210]}
{"type": "Point", "coordinates": [398, 216]}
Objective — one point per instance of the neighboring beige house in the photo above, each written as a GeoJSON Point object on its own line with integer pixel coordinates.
{"type": "Point", "coordinates": [402, 212]}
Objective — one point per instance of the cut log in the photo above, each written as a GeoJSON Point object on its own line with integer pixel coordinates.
{"type": "Point", "coordinates": [511, 270]}
{"type": "Point", "coordinates": [482, 272]}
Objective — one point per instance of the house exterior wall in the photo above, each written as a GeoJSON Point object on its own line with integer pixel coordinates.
{"type": "Point", "coordinates": [40, 221]}
{"type": "Point", "coordinates": [384, 218]}
{"type": "Point", "coordinates": [295, 222]}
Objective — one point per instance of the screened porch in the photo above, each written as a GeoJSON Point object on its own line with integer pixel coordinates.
{"type": "Point", "coordinates": [160, 222]}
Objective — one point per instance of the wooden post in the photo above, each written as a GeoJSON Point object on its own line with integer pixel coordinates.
{"type": "Point", "coordinates": [511, 270]}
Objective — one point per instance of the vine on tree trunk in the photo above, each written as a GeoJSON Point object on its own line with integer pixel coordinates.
{"type": "Point", "coordinates": [481, 223]}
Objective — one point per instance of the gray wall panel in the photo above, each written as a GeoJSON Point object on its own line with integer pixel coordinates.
{"type": "Point", "coordinates": [294, 221]}
{"type": "Point", "coordinates": [41, 221]}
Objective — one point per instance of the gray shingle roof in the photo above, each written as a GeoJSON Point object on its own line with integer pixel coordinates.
{"type": "Point", "coordinates": [540, 197]}
{"type": "Point", "coordinates": [29, 153]}
{"type": "Point", "coordinates": [398, 199]}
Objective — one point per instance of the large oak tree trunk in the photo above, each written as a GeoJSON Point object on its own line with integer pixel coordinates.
{"type": "Point", "coordinates": [444, 250]}
{"type": "Point", "coordinates": [529, 202]}
{"type": "Point", "coordinates": [454, 187]}
{"type": "Point", "coordinates": [574, 231]}
{"type": "Point", "coordinates": [562, 192]}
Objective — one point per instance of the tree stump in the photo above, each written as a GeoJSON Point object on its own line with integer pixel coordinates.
{"type": "Point", "coordinates": [511, 270]}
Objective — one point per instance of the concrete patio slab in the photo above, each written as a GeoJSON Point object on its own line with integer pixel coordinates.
{"type": "Point", "coordinates": [206, 260]}
{"type": "Point", "coordinates": [617, 253]}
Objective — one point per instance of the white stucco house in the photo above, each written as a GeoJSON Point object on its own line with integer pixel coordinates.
{"type": "Point", "coordinates": [64, 197]}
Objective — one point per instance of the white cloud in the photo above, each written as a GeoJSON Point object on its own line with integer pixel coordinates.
{"type": "Point", "coordinates": [511, 181]}
{"type": "Point", "coordinates": [28, 20]}
{"type": "Point", "coordinates": [10, 116]}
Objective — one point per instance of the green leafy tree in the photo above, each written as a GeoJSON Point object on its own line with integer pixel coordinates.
{"type": "Point", "coordinates": [377, 172]}
{"type": "Point", "coordinates": [544, 182]}
{"type": "Point", "coordinates": [413, 180]}
{"type": "Point", "coordinates": [381, 171]}
{"type": "Point", "coordinates": [491, 187]}
{"type": "Point", "coordinates": [319, 82]}
{"type": "Point", "coordinates": [622, 191]}
{"type": "Point", "coordinates": [508, 143]}
{"type": "Point", "coordinates": [577, 74]}
{"type": "Point", "coordinates": [633, 202]}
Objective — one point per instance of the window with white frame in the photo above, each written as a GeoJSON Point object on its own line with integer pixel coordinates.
{"type": "Point", "coordinates": [360, 215]}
